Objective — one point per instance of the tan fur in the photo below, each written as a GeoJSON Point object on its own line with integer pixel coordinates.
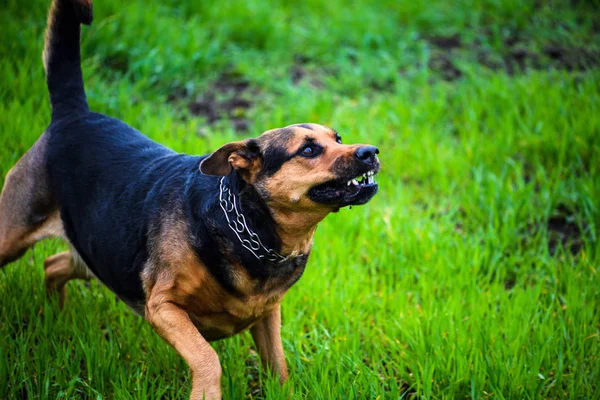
{"type": "Point", "coordinates": [232, 155]}
{"type": "Point", "coordinates": [249, 168]}
{"type": "Point", "coordinates": [175, 274]}
{"type": "Point", "coordinates": [299, 174]}
{"type": "Point", "coordinates": [189, 308]}
{"type": "Point", "coordinates": [28, 212]}
{"type": "Point", "coordinates": [267, 337]}
{"type": "Point", "coordinates": [286, 192]}
{"type": "Point", "coordinates": [173, 324]}
{"type": "Point", "coordinates": [61, 268]}
{"type": "Point", "coordinates": [170, 280]}
{"type": "Point", "coordinates": [297, 216]}
{"type": "Point", "coordinates": [49, 35]}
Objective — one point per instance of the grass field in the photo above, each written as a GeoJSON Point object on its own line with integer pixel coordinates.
{"type": "Point", "coordinates": [474, 273]}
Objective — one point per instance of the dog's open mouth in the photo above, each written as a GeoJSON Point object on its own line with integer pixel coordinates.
{"type": "Point", "coordinates": [346, 192]}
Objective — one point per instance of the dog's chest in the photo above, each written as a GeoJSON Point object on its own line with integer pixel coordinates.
{"type": "Point", "coordinates": [231, 315]}
{"type": "Point", "coordinates": [219, 313]}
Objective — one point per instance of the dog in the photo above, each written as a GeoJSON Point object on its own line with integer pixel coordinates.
{"type": "Point", "coordinates": [203, 247]}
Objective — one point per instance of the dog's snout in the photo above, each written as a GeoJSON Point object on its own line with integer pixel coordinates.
{"type": "Point", "coordinates": [367, 154]}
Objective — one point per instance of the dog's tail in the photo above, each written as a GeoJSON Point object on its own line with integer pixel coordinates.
{"type": "Point", "coordinates": [62, 59]}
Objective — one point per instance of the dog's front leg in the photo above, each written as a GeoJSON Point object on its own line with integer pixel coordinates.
{"type": "Point", "coordinates": [267, 337]}
{"type": "Point", "coordinates": [173, 324]}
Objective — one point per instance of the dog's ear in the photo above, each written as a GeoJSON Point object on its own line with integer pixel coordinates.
{"type": "Point", "coordinates": [243, 156]}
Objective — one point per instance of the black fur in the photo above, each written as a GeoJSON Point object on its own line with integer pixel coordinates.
{"type": "Point", "coordinates": [63, 59]}
{"type": "Point", "coordinates": [216, 244]}
{"type": "Point", "coordinates": [113, 184]}
{"type": "Point", "coordinates": [276, 154]}
{"type": "Point", "coordinates": [305, 126]}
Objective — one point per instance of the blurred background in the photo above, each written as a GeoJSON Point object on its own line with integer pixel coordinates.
{"type": "Point", "coordinates": [472, 274]}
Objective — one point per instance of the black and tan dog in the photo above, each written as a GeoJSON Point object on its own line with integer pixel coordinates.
{"type": "Point", "coordinates": [202, 247]}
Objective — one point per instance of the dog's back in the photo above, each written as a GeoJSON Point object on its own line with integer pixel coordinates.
{"type": "Point", "coordinates": [109, 181]}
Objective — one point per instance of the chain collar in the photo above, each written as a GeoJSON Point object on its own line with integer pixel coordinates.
{"type": "Point", "coordinates": [237, 223]}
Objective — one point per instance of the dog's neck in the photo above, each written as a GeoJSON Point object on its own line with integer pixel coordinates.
{"type": "Point", "coordinates": [296, 229]}
{"type": "Point", "coordinates": [293, 230]}
{"type": "Point", "coordinates": [250, 221]}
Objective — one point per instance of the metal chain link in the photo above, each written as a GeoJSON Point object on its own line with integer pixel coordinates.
{"type": "Point", "coordinates": [238, 225]}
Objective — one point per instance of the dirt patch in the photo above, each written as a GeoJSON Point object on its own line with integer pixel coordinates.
{"type": "Point", "coordinates": [518, 58]}
{"type": "Point", "coordinates": [443, 64]}
{"type": "Point", "coordinates": [510, 281]}
{"type": "Point", "coordinates": [573, 59]}
{"type": "Point", "coordinates": [117, 61]}
{"type": "Point", "coordinates": [228, 97]}
{"type": "Point", "coordinates": [563, 231]}
{"type": "Point", "coordinates": [517, 61]}
{"type": "Point", "coordinates": [300, 73]}
{"type": "Point", "coordinates": [297, 73]}
{"type": "Point", "coordinates": [446, 42]}
{"type": "Point", "coordinates": [518, 55]}
{"type": "Point", "coordinates": [443, 55]}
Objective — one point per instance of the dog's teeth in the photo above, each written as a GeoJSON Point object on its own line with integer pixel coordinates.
{"type": "Point", "coordinates": [354, 182]}
{"type": "Point", "coordinates": [349, 183]}
{"type": "Point", "coordinates": [370, 179]}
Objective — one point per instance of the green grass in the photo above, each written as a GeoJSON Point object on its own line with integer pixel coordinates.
{"type": "Point", "coordinates": [474, 273]}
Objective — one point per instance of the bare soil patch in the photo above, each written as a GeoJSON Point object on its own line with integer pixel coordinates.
{"type": "Point", "coordinates": [228, 97]}
{"type": "Point", "coordinates": [563, 231]}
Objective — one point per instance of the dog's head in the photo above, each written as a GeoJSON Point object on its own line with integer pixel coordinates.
{"type": "Point", "coordinates": [301, 167]}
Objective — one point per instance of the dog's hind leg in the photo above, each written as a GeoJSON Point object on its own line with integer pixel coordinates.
{"type": "Point", "coordinates": [61, 268]}
{"type": "Point", "coordinates": [28, 210]}
{"type": "Point", "coordinates": [267, 338]}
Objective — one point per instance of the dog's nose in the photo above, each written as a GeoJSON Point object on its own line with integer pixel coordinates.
{"type": "Point", "coordinates": [367, 154]}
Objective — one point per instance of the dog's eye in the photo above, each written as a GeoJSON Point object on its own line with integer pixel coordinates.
{"type": "Point", "coordinates": [310, 150]}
